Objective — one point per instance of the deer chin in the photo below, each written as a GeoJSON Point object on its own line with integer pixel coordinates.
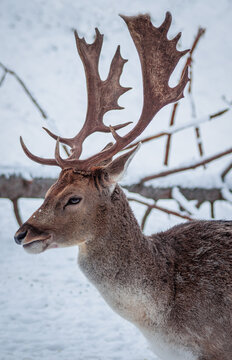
{"type": "Point", "coordinates": [38, 244]}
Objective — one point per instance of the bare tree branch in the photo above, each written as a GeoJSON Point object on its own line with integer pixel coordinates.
{"type": "Point", "coordinates": [189, 60]}
{"type": "Point", "coordinates": [168, 143]}
{"type": "Point", "coordinates": [194, 115]}
{"type": "Point", "coordinates": [167, 211]}
{"type": "Point", "coordinates": [29, 94]}
{"type": "Point", "coordinates": [3, 77]}
{"type": "Point", "coordinates": [25, 88]}
{"type": "Point", "coordinates": [158, 193]}
{"type": "Point", "coordinates": [177, 128]}
{"type": "Point", "coordinates": [226, 171]}
{"type": "Point", "coordinates": [16, 186]}
{"type": "Point", "coordinates": [212, 210]}
{"type": "Point", "coordinates": [193, 165]}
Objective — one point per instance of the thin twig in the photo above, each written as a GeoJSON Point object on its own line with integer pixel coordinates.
{"type": "Point", "coordinates": [25, 88]}
{"type": "Point", "coordinates": [212, 210]}
{"type": "Point", "coordinates": [16, 211]}
{"type": "Point", "coordinates": [168, 143]}
{"type": "Point", "coordinates": [194, 115]}
{"type": "Point", "coordinates": [197, 129]}
{"type": "Point", "coordinates": [145, 216]}
{"type": "Point", "coordinates": [199, 141]}
{"type": "Point", "coordinates": [228, 102]}
{"type": "Point", "coordinates": [167, 211]}
{"type": "Point", "coordinates": [199, 203]}
{"type": "Point", "coordinates": [28, 92]}
{"type": "Point", "coordinates": [226, 171]}
{"type": "Point", "coordinates": [3, 77]}
{"type": "Point", "coordinates": [184, 168]}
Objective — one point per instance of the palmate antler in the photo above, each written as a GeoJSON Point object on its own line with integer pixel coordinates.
{"type": "Point", "coordinates": [158, 57]}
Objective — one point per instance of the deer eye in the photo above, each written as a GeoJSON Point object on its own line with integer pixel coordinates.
{"type": "Point", "coordinates": [73, 200]}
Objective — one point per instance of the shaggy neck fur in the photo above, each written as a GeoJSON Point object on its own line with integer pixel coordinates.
{"type": "Point", "coordinates": [121, 259]}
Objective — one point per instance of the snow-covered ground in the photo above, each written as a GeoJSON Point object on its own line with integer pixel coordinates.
{"type": "Point", "coordinates": [48, 309]}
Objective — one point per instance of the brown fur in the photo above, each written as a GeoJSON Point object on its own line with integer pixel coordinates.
{"type": "Point", "coordinates": [177, 282]}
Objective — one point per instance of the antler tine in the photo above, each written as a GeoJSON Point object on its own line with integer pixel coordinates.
{"type": "Point", "coordinates": [36, 158]}
{"type": "Point", "coordinates": [55, 137]}
{"type": "Point", "coordinates": [102, 95]}
{"type": "Point", "coordinates": [158, 57]}
{"type": "Point", "coordinates": [165, 26]}
{"type": "Point", "coordinates": [58, 158]}
{"type": "Point", "coordinates": [176, 39]}
{"type": "Point", "coordinates": [69, 142]}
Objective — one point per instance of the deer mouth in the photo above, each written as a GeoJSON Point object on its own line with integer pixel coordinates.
{"type": "Point", "coordinates": [38, 244]}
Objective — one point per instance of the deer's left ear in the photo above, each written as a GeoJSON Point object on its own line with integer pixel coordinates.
{"type": "Point", "coordinates": [117, 168]}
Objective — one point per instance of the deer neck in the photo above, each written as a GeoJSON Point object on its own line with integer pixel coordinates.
{"type": "Point", "coordinates": [116, 238]}
{"type": "Point", "coordinates": [120, 263]}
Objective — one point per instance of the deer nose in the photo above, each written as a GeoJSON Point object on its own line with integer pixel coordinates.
{"type": "Point", "coordinates": [20, 236]}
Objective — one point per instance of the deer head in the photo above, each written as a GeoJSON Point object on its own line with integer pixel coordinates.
{"type": "Point", "coordinates": [70, 213]}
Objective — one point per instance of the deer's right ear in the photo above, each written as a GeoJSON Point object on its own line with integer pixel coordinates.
{"type": "Point", "coordinates": [117, 168]}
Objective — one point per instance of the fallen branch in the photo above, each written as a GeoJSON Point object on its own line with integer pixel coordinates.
{"type": "Point", "coordinates": [16, 186]}
{"type": "Point", "coordinates": [157, 193]}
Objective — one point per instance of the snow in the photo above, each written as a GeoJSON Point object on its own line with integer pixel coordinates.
{"type": "Point", "coordinates": [48, 309]}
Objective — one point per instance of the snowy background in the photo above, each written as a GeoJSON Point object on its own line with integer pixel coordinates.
{"type": "Point", "coordinates": [47, 308]}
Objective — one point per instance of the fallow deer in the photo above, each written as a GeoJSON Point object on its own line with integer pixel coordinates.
{"type": "Point", "coordinates": [175, 286]}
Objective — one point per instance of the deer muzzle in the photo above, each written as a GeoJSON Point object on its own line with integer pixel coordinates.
{"type": "Point", "coordinates": [31, 237]}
